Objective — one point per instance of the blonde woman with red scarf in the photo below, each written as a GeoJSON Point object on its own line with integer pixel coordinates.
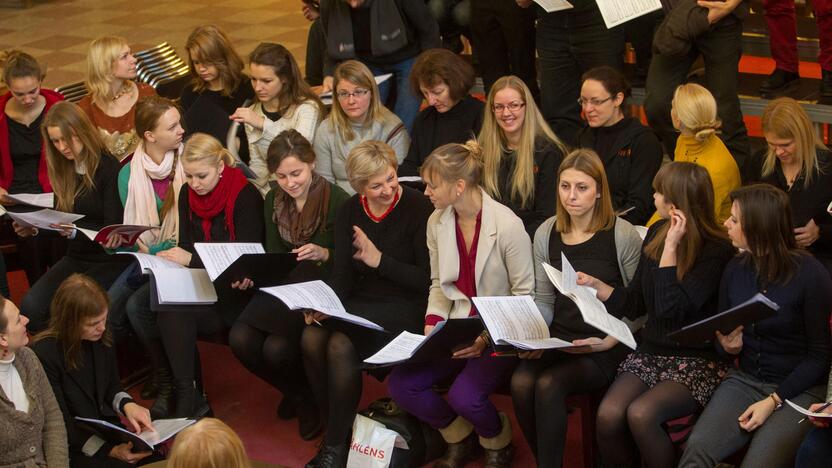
{"type": "Point", "coordinates": [219, 205]}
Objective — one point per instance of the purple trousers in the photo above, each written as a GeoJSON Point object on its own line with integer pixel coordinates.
{"type": "Point", "coordinates": [411, 386]}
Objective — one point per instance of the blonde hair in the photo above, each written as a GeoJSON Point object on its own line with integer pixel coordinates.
{"type": "Point", "coordinates": [368, 159]}
{"type": "Point", "coordinates": [455, 161]}
{"type": "Point", "coordinates": [72, 122]}
{"type": "Point", "coordinates": [785, 118]}
{"type": "Point", "coordinates": [358, 74]}
{"type": "Point", "coordinates": [208, 44]}
{"type": "Point", "coordinates": [101, 55]}
{"type": "Point", "coordinates": [494, 143]}
{"type": "Point", "coordinates": [209, 443]}
{"type": "Point", "coordinates": [603, 215]}
{"type": "Point", "coordinates": [204, 148]}
{"type": "Point", "coordinates": [695, 107]}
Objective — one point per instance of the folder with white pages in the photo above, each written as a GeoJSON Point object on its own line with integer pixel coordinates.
{"type": "Point", "coordinates": [176, 284]}
{"type": "Point", "coordinates": [317, 295]}
{"type": "Point", "coordinates": [592, 309]}
{"type": "Point", "coordinates": [516, 321]}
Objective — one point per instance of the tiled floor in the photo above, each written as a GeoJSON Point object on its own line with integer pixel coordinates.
{"type": "Point", "coordinates": [58, 32]}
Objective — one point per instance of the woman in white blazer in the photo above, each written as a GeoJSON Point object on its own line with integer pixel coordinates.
{"type": "Point", "coordinates": [478, 247]}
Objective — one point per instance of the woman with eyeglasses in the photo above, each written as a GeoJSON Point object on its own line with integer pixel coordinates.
{"type": "Point", "coordinates": [357, 116]}
{"type": "Point", "coordinates": [521, 153]}
{"type": "Point", "coordinates": [631, 152]}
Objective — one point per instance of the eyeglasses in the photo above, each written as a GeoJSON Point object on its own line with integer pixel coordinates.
{"type": "Point", "coordinates": [593, 102]}
{"type": "Point", "coordinates": [358, 93]}
{"type": "Point", "coordinates": [512, 107]}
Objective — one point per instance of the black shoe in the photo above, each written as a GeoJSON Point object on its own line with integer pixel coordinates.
{"type": "Point", "coordinates": [309, 419]}
{"type": "Point", "coordinates": [826, 88]}
{"type": "Point", "coordinates": [150, 390]}
{"type": "Point", "coordinates": [499, 458]}
{"type": "Point", "coordinates": [330, 456]}
{"type": "Point", "coordinates": [163, 406]}
{"type": "Point", "coordinates": [460, 453]}
{"type": "Point", "coordinates": [190, 401]}
{"type": "Point", "coordinates": [778, 83]}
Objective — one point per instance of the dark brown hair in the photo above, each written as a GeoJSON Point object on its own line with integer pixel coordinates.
{"type": "Point", "coordinates": [4, 322]}
{"type": "Point", "coordinates": [765, 216]}
{"type": "Point", "coordinates": [286, 144]}
{"type": "Point", "coordinates": [77, 299]}
{"type": "Point", "coordinates": [148, 112]}
{"type": "Point", "coordinates": [18, 64]}
{"type": "Point", "coordinates": [435, 66]}
{"type": "Point", "coordinates": [295, 90]}
{"type": "Point", "coordinates": [611, 79]}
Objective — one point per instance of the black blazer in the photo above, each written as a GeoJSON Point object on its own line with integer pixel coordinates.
{"type": "Point", "coordinates": [77, 395]}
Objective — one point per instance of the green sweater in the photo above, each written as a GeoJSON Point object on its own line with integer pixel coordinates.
{"type": "Point", "coordinates": [123, 184]}
{"type": "Point", "coordinates": [323, 236]}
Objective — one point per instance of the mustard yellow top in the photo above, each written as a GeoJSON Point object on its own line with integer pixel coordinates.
{"type": "Point", "coordinates": [721, 166]}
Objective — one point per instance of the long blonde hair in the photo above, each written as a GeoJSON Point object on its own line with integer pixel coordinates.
{"type": "Point", "coordinates": [210, 45]}
{"type": "Point", "coordinates": [695, 107]}
{"type": "Point", "coordinates": [101, 55]}
{"type": "Point", "coordinates": [204, 148]}
{"type": "Point", "coordinates": [494, 143]}
{"type": "Point", "coordinates": [358, 74]}
{"type": "Point", "coordinates": [210, 443]}
{"type": "Point", "coordinates": [785, 118]}
{"type": "Point", "coordinates": [71, 121]}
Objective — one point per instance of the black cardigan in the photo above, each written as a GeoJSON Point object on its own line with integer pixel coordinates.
{"type": "Point", "coordinates": [669, 303]}
{"type": "Point", "coordinates": [432, 129]}
{"type": "Point", "coordinates": [101, 207]}
{"type": "Point", "coordinates": [631, 160]}
{"type": "Point", "coordinates": [208, 111]}
{"type": "Point", "coordinates": [790, 349]}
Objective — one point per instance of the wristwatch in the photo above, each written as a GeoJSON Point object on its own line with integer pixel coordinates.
{"type": "Point", "coordinates": [777, 402]}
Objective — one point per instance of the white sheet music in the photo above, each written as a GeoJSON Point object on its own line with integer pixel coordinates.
{"type": "Point", "coordinates": [616, 12]}
{"type": "Point", "coordinates": [217, 256]}
{"type": "Point", "coordinates": [517, 321]}
{"type": "Point", "coordinates": [165, 429]}
{"type": "Point", "coordinates": [43, 219]}
{"type": "Point", "coordinates": [316, 295]}
{"type": "Point", "coordinates": [399, 350]}
{"type": "Point", "coordinates": [43, 200]}
{"type": "Point", "coordinates": [806, 412]}
{"type": "Point", "coordinates": [592, 310]}
{"type": "Point", "coordinates": [642, 231]}
{"type": "Point", "coordinates": [184, 286]}
{"type": "Point", "coordinates": [554, 5]}
{"type": "Point", "coordinates": [543, 343]}
{"type": "Point", "coordinates": [152, 262]}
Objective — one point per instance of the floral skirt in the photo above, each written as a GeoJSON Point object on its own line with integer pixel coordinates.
{"type": "Point", "coordinates": [701, 376]}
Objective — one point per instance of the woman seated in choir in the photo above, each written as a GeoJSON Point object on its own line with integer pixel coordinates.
{"type": "Point", "coordinates": [585, 230]}
{"type": "Point", "coordinates": [23, 154]}
{"type": "Point", "coordinates": [84, 178]}
{"type": "Point", "coordinates": [284, 101]}
{"type": "Point", "coordinates": [219, 205]}
{"type": "Point", "coordinates": [816, 449]}
{"type": "Point", "coordinates": [111, 104]}
{"type": "Point", "coordinates": [209, 443]}
{"type": "Point", "coordinates": [631, 152]}
{"type": "Point", "coordinates": [33, 433]}
{"type": "Point", "coordinates": [783, 357]}
{"type": "Point", "coordinates": [77, 353]}
{"type": "Point", "coordinates": [357, 115]}
{"type": "Point", "coordinates": [522, 154]}
{"type": "Point", "coordinates": [478, 247]}
{"type": "Point", "coordinates": [693, 112]}
{"type": "Point", "coordinates": [452, 116]}
{"type": "Point", "coordinates": [149, 187]}
{"type": "Point", "coordinates": [300, 218]}
{"type": "Point", "coordinates": [676, 283]}
{"type": "Point", "coordinates": [381, 272]}
{"type": "Point", "coordinates": [798, 163]}
{"type": "Point", "coordinates": [218, 87]}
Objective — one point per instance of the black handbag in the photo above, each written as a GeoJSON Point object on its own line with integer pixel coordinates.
{"type": "Point", "coordinates": [426, 443]}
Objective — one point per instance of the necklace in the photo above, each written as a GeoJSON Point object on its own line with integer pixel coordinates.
{"type": "Point", "coordinates": [378, 219]}
{"type": "Point", "coordinates": [125, 88]}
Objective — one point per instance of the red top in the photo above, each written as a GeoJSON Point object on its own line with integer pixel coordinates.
{"type": "Point", "coordinates": [466, 282]}
{"type": "Point", "coordinates": [6, 166]}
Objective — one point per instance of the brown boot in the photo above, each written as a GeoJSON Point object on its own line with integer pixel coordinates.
{"type": "Point", "coordinates": [462, 444]}
{"type": "Point", "coordinates": [498, 449]}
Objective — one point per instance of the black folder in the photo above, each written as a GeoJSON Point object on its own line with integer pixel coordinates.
{"type": "Point", "coordinates": [454, 334]}
{"type": "Point", "coordinates": [755, 309]}
{"type": "Point", "coordinates": [268, 269]}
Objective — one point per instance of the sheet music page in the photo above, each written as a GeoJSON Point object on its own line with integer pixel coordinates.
{"type": "Point", "coordinates": [42, 219]}
{"type": "Point", "coordinates": [184, 286]}
{"type": "Point", "coordinates": [616, 12]}
{"type": "Point", "coordinates": [511, 317]}
{"type": "Point", "coordinates": [316, 295]}
{"type": "Point", "coordinates": [165, 429]}
{"type": "Point", "coordinates": [544, 343]}
{"type": "Point", "coordinates": [43, 200]}
{"type": "Point", "coordinates": [400, 349]}
{"type": "Point", "coordinates": [89, 233]}
{"type": "Point", "coordinates": [806, 412]}
{"type": "Point", "coordinates": [152, 262]}
{"type": "Point", "coordinates": [552, 6]}
{"type": "Point", "coordinates": [217, 256]}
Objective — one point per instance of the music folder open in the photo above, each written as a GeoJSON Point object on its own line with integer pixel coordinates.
{"type": "Point", "coordinates": [755, 309]}
{"type": "Point", "coordinates": [448, 337]}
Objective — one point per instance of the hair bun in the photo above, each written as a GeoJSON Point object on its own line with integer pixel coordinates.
{"type": "Point", "coordinates": [474, 150]}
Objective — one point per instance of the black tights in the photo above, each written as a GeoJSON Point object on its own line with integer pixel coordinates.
{"type": "Point", "coordinates": [179, 329]}
{"type": "Point", "coordinates": [539, 390]}
{"type": "Point", "coordinates": [632, 416]}
{"type": "Point", "coordinates": [334, 372]}
{"type": "Point", "coordinates": [272, 357]}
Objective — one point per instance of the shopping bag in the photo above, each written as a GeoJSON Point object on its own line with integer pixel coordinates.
{"type": "Point", "coordinates": [372, 444]}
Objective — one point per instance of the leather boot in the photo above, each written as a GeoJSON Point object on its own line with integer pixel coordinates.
{"type": "Point", "coordinates": [190, 401]}
{"type": "Point", "coordinates": [330, 456]}
{"type": "Point", "coordinates": [163, 406]}
{"type": "Point", "coordinates": [826, 88]}
{"type": "Point", "coordinates": [498, 449]}
{"type": "Point", "coordinates": [779, 83]}
{"type": "Point", "coordinates": [462, 444]}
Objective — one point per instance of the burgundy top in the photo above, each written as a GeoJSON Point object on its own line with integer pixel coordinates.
{"type": "Point", "coordinates": [466, 282]}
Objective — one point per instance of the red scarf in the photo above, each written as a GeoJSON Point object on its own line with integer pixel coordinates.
{"type": "Point", "coordinates": [223, 197]}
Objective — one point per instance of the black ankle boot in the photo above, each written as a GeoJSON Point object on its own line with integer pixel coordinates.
{"type": "Point", "coordinates": [163, 406]}
{"type": "Point", "coordinates": [778, 83]}
{"type": "Point", "coordinates": [499, 458]}
{"type": "Point", "coordinates": [825, 87]}
{"type": "Point", "coordinates": [330, 456]}
{"type": "Point", "coordinates": [190, 401]}
{"type": "Point", "coordinates": [460, 453]}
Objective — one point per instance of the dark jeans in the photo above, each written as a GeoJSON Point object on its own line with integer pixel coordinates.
{"type": "Point", "coordinates": [407, 104]}
{"type": "Point", "coordinates": [816, 450]}
{"type": "Point", "coordinates": [315, 53]}
{"type": "Point", "coordinates": [568, 44]}
{"type": "Point", "coordinates": [721, 49]}
{"type": "Point", "coordinates": [503, 40]}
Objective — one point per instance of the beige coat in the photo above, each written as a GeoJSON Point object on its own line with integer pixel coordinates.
{"type": "Point", "coordinates": [504, 259]}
